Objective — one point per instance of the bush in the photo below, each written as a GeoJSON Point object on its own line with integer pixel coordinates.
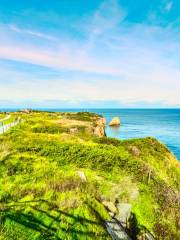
{"type": "Point", "coordinates": [51, 129]}
{"type": "Point", "coordinates": [42, 196]}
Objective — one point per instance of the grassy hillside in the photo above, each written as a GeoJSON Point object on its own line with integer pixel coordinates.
{"type": "Point", "coordinates": [43, 197]}
{"type": "Point", "coordinates": [5, 119]}
{"type": "Point", "coordinates": [2, 115]}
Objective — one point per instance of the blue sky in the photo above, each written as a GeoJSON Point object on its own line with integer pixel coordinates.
{"type": "Point", "coordinates": [111, 53]}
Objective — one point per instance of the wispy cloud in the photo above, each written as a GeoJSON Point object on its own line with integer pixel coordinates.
{"type": "Point", "coordinates": [30, 32]}
{"type": "Point", "coordinates": [130, 62]}
{"type": "Point", "coordinates": [106, 18]}
{"type": "Point", "coordinates": [168, 6]}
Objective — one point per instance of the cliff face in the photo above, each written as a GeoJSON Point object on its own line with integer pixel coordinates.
{"type": "Point", "coordinates": [60, 178]}
{"type": "Point", "coordinates": [86, 123]}
{"type": "Point", "coordinates": [99, 129]}
{"type": "Point", "coordinates": [93, 124]}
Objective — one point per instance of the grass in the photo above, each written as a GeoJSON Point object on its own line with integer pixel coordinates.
{"type": "Point", "coordinates": [43, 197]}
{"type": "Point", "coordinates": [8, 120]}
{"type": "Point", "coordinates": [2, 115]}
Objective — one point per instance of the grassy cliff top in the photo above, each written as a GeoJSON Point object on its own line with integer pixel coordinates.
{"type": "Point", "coordinates": [42, 195]}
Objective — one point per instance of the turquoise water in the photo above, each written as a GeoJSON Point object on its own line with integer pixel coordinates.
{"type": "Point", "coordinates": [163, 124]}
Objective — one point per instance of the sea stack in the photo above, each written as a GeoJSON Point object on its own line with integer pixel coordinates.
{"type": "Point", "coordinates": [115, 121]}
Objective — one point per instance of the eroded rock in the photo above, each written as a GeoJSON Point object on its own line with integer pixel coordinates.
{"type": "Point", "coordinates": [115, 121]}
{"type": "Point", "coordinates": [73, 130]}
{"type": "Point", "coordinates": [145, 236]}
{"type": "Point", "coordinates": [116, 231]}
{"type": "Point", "coordinates": [27, 111]}
{"type": "Point", "coordinates": [110, 206]}
{"type": "Point", "coordinates": [99, 130]}
{"type": "Point", "coordinates": [124, 212]}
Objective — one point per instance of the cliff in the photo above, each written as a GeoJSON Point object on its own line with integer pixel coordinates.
{"type": "Point", "coordinates": [61, 178]}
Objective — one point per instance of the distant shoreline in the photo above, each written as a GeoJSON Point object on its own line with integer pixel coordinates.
{"type": "Point", "coordinates": [161, 123]}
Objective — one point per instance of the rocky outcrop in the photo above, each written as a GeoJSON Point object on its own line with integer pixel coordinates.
{"type": "Point", "coordinates": [115, 121]}
{"type": "Point", "coordinates": [116, 230]}
{"type": "Point", "coordinates": [121, 222]}
{"type": "Point", "coordinates": [145, 236]}
{"type": "Point", "coordinates": [118, 224]}
{"type": "Point", "coordinates": [99, 130]}
{"type": "Point", "coordinates": [124, 212]}
{"type": "Point", "coordinates": [27, 111]}
{"type": "Point", "coordinates": [73, 130]}
{"type": "Point", "coordinates": [110, 207]}
{"type": "Point", "coordinates": [82, 176]}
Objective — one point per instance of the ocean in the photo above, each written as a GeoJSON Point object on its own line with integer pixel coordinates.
{"type": "Point", "coordinates": [163, 124]}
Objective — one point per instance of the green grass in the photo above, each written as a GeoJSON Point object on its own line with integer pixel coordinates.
{"type": "Point", "coordinates": [7, 121]}
{"type": "Point", "coordinates": [2, 115]}
{"type": "Point", "coordinates": [81, 116]}
{"type": "Point", "coordinates": [43, 197]}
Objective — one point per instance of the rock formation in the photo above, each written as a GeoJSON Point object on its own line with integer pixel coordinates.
{"type": "Point", "coordinates": [116, 231]}
{"type": "Point", "coordinates": [110, 206]}
{"type": "Point", "coordinates": [115, 121]}
{"type": "Point", "coordinates": [73, 130]}
{"type": "Point", "coordinates": [27, 111]}
{"type": "Point", "coordinates": [99, 130]}
{"type": "Point", "coordinates": [124, 212]}
{"type": "Point", "coordinates": [82, 176]}
{"type": "Point", "coordinates": [118, 224]}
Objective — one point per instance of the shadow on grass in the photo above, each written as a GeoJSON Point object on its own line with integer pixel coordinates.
{"type": "Point", "coordinates": [135, 229]}
{"type": "Point", "coordinates": [49, 231]}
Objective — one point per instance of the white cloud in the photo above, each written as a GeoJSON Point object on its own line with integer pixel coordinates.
{"type": "Point", "coordinates": [32, 33]}
{"type": "Point", "coordinates": [143, 60]}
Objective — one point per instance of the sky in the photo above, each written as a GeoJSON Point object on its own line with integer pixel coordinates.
{"type": "Point", "coordinates": [90, 53]}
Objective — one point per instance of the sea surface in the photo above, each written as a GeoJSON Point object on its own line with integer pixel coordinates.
{"type": "Point", "coordinates": [163, 124]}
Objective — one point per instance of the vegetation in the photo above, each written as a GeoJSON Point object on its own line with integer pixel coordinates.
{"type": "Point", "coordinates": [43, 197]}
{"type": "Point", "coordinates": [82, 116]}
{"type": "Point", "coordinates": [2, 115]}
{"type": "Point", "coordinates": [4, 120]}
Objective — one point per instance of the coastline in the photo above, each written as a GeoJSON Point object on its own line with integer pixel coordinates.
{"type": "Point", "coordinates": [75, 170]}
{"type": "Point", "coordinates": [163, 124]}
